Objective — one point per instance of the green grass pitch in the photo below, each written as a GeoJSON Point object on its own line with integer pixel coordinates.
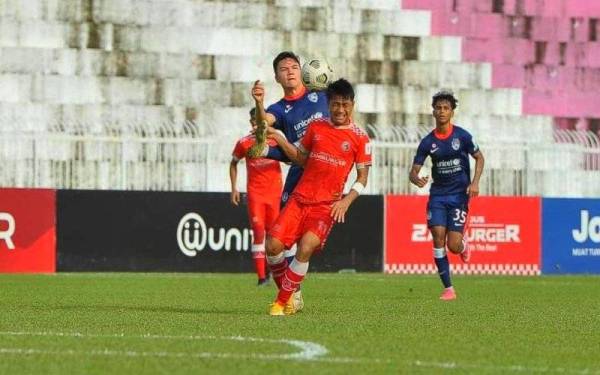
{"type": "Point", "coordinates": [352, 323]}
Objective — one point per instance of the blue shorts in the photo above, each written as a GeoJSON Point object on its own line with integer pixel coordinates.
{"type": "Point", "coordinates": [448, 211]}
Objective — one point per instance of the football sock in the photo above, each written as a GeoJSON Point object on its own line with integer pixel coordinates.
{"type": "Point", "coordinates": [443, 266]}
{"type": "Point", "coordinates": [278, 265]}
{"type": "Point", "coordinates": [292, 278]}
{"type": "Point", "coordinates": [258, 256]}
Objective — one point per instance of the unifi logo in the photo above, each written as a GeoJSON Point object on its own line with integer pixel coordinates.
{"type": "Point", "coordinates": [6, 234]}
{"type": "Point", "coordinates": [589, 228]}
{"type": "Point", "coordinates": [193, 235]}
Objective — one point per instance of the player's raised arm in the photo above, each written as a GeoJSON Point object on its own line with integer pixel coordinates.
{"type": "Point", "coordinates": [473, 189]}
{"type": "Point", "coordinates": [258, 93]}
{"type": "Point", "coordinates": [297, 155]}
{"type": "Point", "coordinates": [414, 178]}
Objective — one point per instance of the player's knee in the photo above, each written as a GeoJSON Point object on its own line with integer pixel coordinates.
{"type": "Point", "coordinates": [455, 242]}
{"type": "Point", "coordinates": [455, 246]}
{"type": "Point", "coordinates": [273, 246]}
{"type": "Point", "coordinates": [304, 253]}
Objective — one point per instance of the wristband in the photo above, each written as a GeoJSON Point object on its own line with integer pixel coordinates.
{"type": "Point", "coordinates": [358, 187]}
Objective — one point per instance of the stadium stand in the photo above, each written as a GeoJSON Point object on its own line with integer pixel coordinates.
{"type": "Point", "coordinates": [151, 94]}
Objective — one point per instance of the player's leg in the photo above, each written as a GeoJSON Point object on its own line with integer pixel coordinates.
{"type": "Point", "coordinates": [295, 272]}
{"type": "Point", "coordinates": [257, 215]}
{"type": "Point", "coordinates": [436, 220]}
{"type": "Point", "coordinates": [272, 212]}
{"type": "Point", "coordinates": [457, 222]}
{"type": "Point", "coordinates": [283, 233]}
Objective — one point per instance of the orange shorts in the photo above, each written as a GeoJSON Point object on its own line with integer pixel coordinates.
{"type": "Point", "coordinates": [262, 214]}
{"type": "Point", "coordinates": [297, 218]}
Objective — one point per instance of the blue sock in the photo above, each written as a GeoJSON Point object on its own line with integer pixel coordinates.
{"type": "Point", "coordinates": [443, 266]}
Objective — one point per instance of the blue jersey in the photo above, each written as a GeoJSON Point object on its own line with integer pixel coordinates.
{"type": "Point", "coordinates": [292, 116]}
{"type": "Point", "coordinates": [449, 158]}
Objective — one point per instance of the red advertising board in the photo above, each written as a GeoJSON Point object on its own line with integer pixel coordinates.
{"type": "Point", "coordinates": [503, 232]}
{"type": "Point", "coordinates": [27, 230]}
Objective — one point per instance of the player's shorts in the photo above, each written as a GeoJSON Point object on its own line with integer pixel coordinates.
{"type": "Point", "coordinates": [448, 211]}
{"type": "Point", "coordinates": [297, 218]}
{"type": "Point", "coordinates": [262, 212]}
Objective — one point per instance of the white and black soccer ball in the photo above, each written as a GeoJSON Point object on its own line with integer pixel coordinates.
{"type": "Point", "coordinates": [317, 74]}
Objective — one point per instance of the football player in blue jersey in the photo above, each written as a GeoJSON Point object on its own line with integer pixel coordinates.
{"type": "Point", "coordinates": [449, 147]}
{"type": "Point", "coordinates": [291, 115]}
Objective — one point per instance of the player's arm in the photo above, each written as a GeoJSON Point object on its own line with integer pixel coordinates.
{"type": "Point", "coordinates": [235, 194]}
{"type": "Point", "coordinates": [473, 189]}
{"type": "Point", "coordinates": [258, 93]}
{"type": "Point", "coordinates": [418, 161]}
{"type": "Point", "coordinates": [339, 208]}
{"type": "Point", "coordinates": [413, 176]}
{"type": "Point", "coordinates": [297, 155]}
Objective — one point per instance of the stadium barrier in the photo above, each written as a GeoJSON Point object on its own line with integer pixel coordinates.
{"type": "Point", "coordinates": [27, 230]}
{"type": "Point", "coordinates": [190, 232]}
{"type": "Point", "coordinates": [46, 231]}
{"type": "Point", "coordinates": [187, 156]}
{"type": "Point", "coordinates": [571, 236]}
{"type": "Point", "coordinates": [503, 232]}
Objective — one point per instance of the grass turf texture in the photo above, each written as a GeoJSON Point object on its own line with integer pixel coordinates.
{"type": "Point", "coordinates": [368, 323]}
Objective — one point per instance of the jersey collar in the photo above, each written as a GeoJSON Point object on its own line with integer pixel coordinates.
{"type": "Point", "coordinates": [295, 97]}
{"type": "Point", "coordinates": [447, 135]}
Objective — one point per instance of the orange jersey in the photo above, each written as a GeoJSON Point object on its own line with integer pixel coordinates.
{"type": "Point", "coordinates": [263, 175]}
{"type": "Point", "coordinates": [331, 154]}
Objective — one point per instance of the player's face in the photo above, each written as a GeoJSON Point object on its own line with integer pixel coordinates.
{"type": "Point", "coordinates": [443, 112]}
{"type": "Point", "coordinates": [253, 123]}
{"type": "Point", "coordinates": [288, 74]}
{"type": "Point", "coordinates": [341, 110]}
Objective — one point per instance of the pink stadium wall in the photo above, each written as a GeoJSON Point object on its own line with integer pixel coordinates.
{"type": "Point", "coordinates": [549, 48]}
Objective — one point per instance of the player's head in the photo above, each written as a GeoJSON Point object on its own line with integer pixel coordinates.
{"type": "Point", "coordinates": [253, 117]}
{"type": "Point", "coordinates": [286, 66]}
{"type": "Point", "coordinates": [340, 95]}
{"type": "Point", "coordinates": [444, 103]}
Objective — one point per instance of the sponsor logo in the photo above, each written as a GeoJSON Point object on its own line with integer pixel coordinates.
{"type": "Point", "coordinates": [7, 233]}
{"type": "Point", "coordinates": [448, 166]}
{"type": "Point", "coordinates": [193, 236]}
{"type": "Point", "coordinates": [300, 127]}
{"type": "Point", "coordinates": [433, 150]}
{"type": "Point", "coordinates": [313, 97]}
{"type": "Point", "coordinates": [589, 230]}
{"type": "Point", "coordinates": [455, 144]}
{"type": "Point", "coordinates": [481, 235]}
{"type": "Point", "coordinates": [328, 158]}
{"type": "Point", "coordinates": [345, 146]}
{"type": "Point", "coordinates": [288, 108]}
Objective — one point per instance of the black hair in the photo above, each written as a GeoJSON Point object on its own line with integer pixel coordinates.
{"type": "Point", "coordinates": [444, 95]}
{"type": "Point", "coordinates": [252, 111]}
{"type": "Point", "coordinates": [341, 88]}
{"type": "Point", "coordinates": [282, 56]}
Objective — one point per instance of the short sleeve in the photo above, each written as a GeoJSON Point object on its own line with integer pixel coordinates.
{"type": "Point", "coordinates": [239, 151]}
{"type": "Point", "coordinates": [277, 112]}
{"type": "Point", "coordinates": [422, 153]}
{"type": "Point", "coordinates": [470, 144]}
{"type": "Point", "coordinates": [363, 156]}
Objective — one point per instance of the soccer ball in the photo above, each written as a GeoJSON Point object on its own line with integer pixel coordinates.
{"type": "Point", "coordinates": [317, 74]}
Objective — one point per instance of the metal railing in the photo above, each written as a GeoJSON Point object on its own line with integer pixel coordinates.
{"type": "Point", "coordinates": [187, 157]}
